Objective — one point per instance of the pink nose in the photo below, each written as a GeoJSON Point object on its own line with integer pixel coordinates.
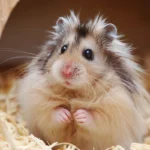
{"type": "Point", "coordinates": [67, 70]}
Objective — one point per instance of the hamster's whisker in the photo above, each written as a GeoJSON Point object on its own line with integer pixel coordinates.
{"type": "Point", "coordinates": [94, 94]}
{"type": "Point", "coordinates": [20, 68]}
{"type": "Point", "coordinates": [32, 29]}
{"type": "Point", "coordinates": [102, 89]}
{"type": "Point", "coordinates": [17, 57]}
{"type": "Point", "coordinates": [98, 80]}
{"type": "Point", "coordinates": [91, 86]}
{"type": "Point", "coordinates": [113, 101]}
{"type": "Point", "coordinates": [48, 78]}
{"type": "Point", "coordinates": [16, 51]}
{"type": "Point", "coordinates": [100, 83]}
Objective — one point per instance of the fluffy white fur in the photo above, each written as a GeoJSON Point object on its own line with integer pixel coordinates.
{"type": "Point", "coordinates": [113, 114]}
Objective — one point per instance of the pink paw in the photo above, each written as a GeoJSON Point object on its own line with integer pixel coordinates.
{"type": "Point", "coordinates": [82, 116]}
{"type": "Point", "coordinates": [62, 115]}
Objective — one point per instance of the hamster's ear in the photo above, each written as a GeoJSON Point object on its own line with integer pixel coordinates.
{"type": "Point", "coordinates": [60, 24]}
{"type": "Point", "coordinates": [110, 31]}
{"type": "Point", "coordinates": [60, 21]}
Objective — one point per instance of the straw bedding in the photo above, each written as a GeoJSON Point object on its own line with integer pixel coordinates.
{"type": "Point", "coordinates": [13, 134]}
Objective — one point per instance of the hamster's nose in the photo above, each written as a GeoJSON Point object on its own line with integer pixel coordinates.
{"type": "Point", "coordinates": [67, 70]}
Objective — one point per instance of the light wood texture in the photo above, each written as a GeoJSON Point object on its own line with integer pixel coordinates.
{"type": "Point", "coordinates": [6, 6]}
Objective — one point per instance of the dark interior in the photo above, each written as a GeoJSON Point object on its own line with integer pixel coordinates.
{"type": "Point", "coordinates": [27, 27]}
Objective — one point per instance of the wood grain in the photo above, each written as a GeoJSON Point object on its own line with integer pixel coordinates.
{"type": "Point", "coordinates": [6, 6]}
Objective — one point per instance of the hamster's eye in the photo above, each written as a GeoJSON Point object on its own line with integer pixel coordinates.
{"type": "Point", "coordinates": [63, 49]}
{"type": "Point", "coordinates": [88, 54]}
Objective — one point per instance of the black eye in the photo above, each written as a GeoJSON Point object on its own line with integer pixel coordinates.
{"type": "Point", "coordinates": [63, 49]}
{"type": "Point", "coordinates": [88, 54]}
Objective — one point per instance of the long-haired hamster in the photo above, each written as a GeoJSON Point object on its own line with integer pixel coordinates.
{"type": "Point", "coordinates": [85, 88]}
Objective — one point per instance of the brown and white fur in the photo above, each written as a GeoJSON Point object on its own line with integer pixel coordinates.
{"type": "Point", "coordinates": [92, 103]}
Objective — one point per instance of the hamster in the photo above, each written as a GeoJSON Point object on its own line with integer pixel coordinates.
{"type": "Point", "coordinates": [84, 88]}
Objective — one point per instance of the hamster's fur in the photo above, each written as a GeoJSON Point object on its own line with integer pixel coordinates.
{"type": "Point", "coordinates": [85, 88]}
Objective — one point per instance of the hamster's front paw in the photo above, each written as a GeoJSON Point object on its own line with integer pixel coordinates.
{"type": "Point", "coordinates": [83, 116]}
{"type": "Point", "coordinates": [62, 115]}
